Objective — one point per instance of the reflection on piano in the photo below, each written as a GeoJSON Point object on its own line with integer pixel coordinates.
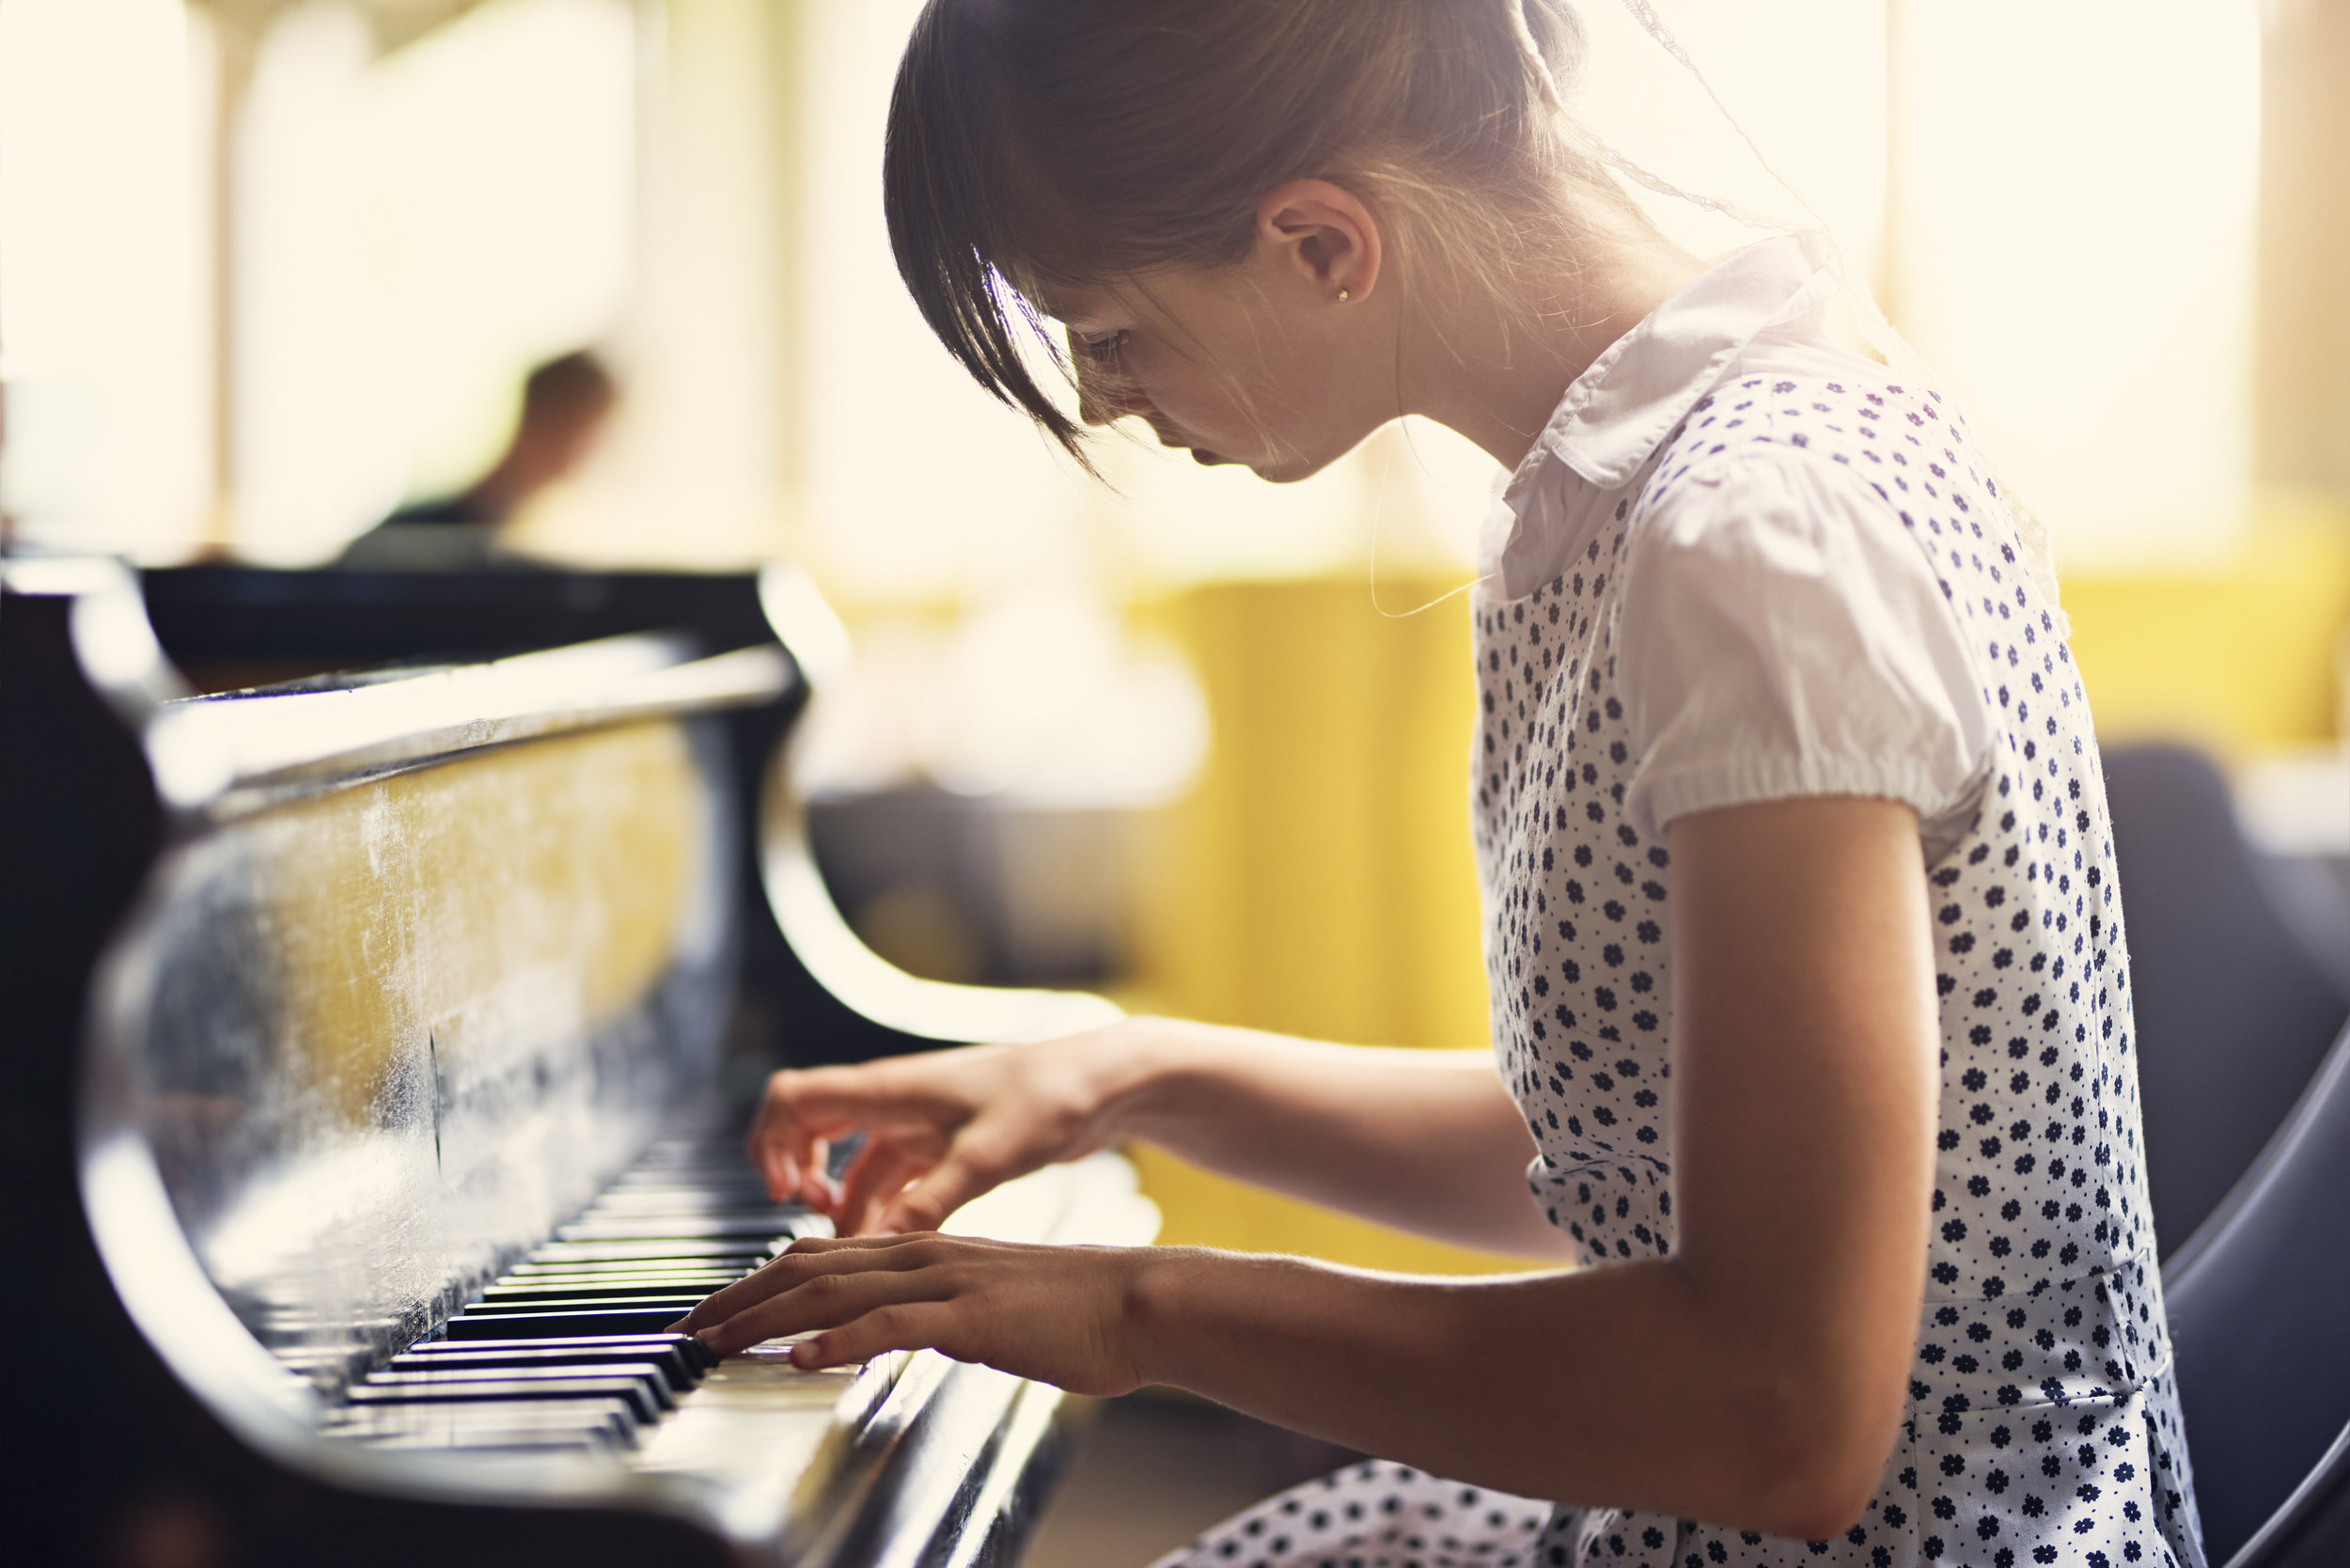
{"type": "Point", "coordinates": [369, 1118]}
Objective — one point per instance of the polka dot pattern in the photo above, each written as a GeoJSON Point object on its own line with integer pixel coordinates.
{"type": "Point", "coordinates": [2042, 1422]}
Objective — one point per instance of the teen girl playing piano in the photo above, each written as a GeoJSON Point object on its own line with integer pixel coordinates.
{"type": "Point", "coordinates": [1809, 1000]}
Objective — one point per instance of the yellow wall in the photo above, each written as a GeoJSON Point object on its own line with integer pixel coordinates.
{"type": "Point", "coordinates": [2240, 657]}
{"type": "Point", "coordinates": [1319, 881]}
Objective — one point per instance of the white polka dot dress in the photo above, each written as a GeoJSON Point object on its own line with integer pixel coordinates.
{"type": "Point", "coordinates": [2042, 1422]}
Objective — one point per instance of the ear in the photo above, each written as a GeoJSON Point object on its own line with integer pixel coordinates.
{"type": "Point", "coordinates": [1323, 235]}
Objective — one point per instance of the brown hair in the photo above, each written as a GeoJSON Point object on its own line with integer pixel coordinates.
{"type": "Point", "coordinates": [1042, 143]}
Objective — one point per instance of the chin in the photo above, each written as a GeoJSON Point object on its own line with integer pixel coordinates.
{"type": "Point", "coordinates": [1288, 470]}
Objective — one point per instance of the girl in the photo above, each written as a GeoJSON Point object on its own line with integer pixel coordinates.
{"type": "Point", "coordinates": [1809, 990]}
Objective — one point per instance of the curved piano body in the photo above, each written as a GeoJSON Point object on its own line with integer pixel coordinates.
{"type": "Point", "coordinates": [371, 1037]}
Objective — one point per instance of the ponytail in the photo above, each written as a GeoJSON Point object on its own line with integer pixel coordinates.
{"type": "Point", "coordinates": [1545, 81]}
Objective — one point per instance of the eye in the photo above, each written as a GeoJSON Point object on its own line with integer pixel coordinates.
{"type": "Point", "coordinates": [1103, 350]}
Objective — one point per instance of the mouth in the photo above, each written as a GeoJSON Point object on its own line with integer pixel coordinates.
{"type": "Point", "coordinates": [1200, 455]}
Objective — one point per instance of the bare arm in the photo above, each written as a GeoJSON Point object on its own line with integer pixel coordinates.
{"type": "Point", "coordinates": [1755, 1378]}
{"type": "Point", "coordinates": [1426, 1140]}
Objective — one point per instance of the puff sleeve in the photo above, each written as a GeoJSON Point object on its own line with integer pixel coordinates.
{"type": "Point", "coordinates": [1782, 636]}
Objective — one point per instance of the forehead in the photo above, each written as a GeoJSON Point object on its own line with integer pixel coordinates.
{"type": "Point", "coordinates": [1078, 307]}
{"type": "Point", "coordinates": [1181, 298]}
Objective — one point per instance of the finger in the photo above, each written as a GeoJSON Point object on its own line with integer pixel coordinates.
{"type": "Point", "coordinates": [817, 1190]}
{"type": "Point", "coordinates": [804, 1107]}
{"type": "Point", "coordinates": [880, 1171]}
{"type": "Point", "coordinates": [804, 1260]}
{"type": "Point", "coordinates": [784, 1145]}
{"type": "Point", "coordinates": [868, 1243]}
{"type": "Point", "coordinates": [921, 1324]}
{"type": "Point", "coordinates": [975, 1162]}
{"type": "Point", "coordinates": [802, 1103]}
{"type": "Point", "coordinates": [821, 1301]}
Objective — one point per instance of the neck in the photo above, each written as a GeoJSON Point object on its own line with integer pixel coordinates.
{"type": "Point", "coordinates": [1496, 375]}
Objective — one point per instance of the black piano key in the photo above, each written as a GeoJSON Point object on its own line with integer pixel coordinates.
{"type": "Point", "coordinates": [678, 1247]}
{"type": "Point", "coordinates": [627, 1393]}
{"type": "Point", "coordinates": [671, 1362]}
{"type": "Point", "coordinates": [537, 1361]}
{"type": "Point", "coordinates": [664, 1199]}
{"type": "Point", "coordinates": [566, 1325]}
{"type": "Point", "coordinates": [761, 1228]}
{"type": "Point", "coordinates": [629, 1188]}
{"type": "Point", "coordinates": [681, 1302]}
{"type": "Point", "coordinates": [631, 1268]}
{"type": "Point", "coordinates": [605, 1290]}
{"type": "Point", "coordinates": [621, 1273]}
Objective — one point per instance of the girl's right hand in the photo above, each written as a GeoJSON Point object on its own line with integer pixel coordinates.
{"type": "Point", "coordinates": [940, 1128]}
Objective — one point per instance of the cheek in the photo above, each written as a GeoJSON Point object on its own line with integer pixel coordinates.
{"type": "Point", "coordinates": [1186, 393]}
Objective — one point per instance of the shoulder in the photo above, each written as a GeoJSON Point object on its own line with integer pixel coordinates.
{"type": "Point", "coordinates": [1853, 442]}
{"type": "Point", "coordinates": [1785, 630]}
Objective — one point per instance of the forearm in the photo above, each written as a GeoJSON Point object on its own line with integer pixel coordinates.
{"type": "Point", "coordinates": [1630, 1384]}
{"type": "Point", "coordinates": [1425, 1141]}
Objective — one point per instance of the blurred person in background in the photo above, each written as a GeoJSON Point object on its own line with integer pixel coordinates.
{"type": "Point", "coordinates": [566, 405]}
{"type": "Point", "coordinates": [1809, 992]}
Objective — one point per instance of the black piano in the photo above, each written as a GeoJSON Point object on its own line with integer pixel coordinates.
{"type": "Point", "coordinates": [389, 965]}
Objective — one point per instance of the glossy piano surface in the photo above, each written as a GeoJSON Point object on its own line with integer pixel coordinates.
{"type": "Point", "coordinates": [371, 1037]}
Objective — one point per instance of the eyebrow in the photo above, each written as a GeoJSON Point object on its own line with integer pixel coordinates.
{"type": "Point", "coordinates": [1085, 318]}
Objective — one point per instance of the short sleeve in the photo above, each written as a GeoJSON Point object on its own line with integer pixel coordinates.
{"type": "Point", "coordinates": [1782, 636]}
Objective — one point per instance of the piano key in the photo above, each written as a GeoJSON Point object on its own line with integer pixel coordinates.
{"type": "Point", "coordinates": [575, 1424]}
{"type": "Point", "coordinates": [754, 1425]}
{"type": "Point", "coordinates": [641, 1199]}
{"type": "Point", "coordinates": [624, 1392]}
{"type": "Point", "coordinates": [696, 1354]}
{"type": "Point", "coordinates": [488, 1441]}
{"type": "Point", "coordinates": [651, 1382]}
{"type": "Point", "coordinates": [550, 1324]}
{"type": "Point", "coordinates": [606, 1290]}
{"type": "Point", "coordinates": [747, 1185]}
{"type": "Point", "coordinates": [656, 1249]}
{"type": "Point", "coordinates": [633, 1268]}
{"type": "Point", "coordinates": [630, 1268]}
{"type": "Point", "coordinates": [672, 1364]}
{"type": "Point", "coordinates": [683, 1301]}
{"type": "Point", "coordinates": [713, 1227]}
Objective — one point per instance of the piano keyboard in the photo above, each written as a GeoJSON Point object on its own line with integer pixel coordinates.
{"type": "Point", "coordinates": [568, 1350]}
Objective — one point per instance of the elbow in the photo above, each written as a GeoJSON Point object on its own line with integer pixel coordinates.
{"type": "Point", "coordinates": [1812, 1460]}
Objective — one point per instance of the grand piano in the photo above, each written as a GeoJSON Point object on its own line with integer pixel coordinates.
{"type": "Point", "coordinates": [389, 965]}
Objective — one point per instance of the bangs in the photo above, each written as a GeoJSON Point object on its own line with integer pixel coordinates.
{"type": "Point", "coordinates": [954, 189]}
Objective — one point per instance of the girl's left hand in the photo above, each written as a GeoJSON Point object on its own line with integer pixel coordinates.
{"type": "Point", "coordinates": [1058, 1314]}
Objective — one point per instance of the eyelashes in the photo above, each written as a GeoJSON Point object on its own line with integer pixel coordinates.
{"type": "Point", "coordinates": [1101, 350]}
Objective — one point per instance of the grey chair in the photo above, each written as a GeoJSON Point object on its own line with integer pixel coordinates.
{"type": "Point", "coordinates": [2233, 992]}
{"type": "Point", "coordinates": [2259, 1301]}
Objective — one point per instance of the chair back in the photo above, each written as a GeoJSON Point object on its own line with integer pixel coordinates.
{"type": "Point", "coordinates": [2233, 1010]}
{"type": "Point", "coordinates": [2259, 1302]}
